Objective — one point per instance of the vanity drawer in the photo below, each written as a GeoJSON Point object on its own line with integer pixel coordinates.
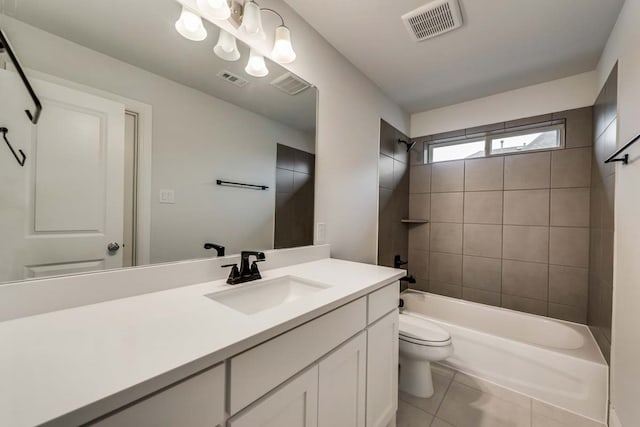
{"type": "Point", "coordinates": [383, 301]}
{"type": "Point", "coordinates": [195, 402]}
{"type": "Point", "coordinates": [261, 369]}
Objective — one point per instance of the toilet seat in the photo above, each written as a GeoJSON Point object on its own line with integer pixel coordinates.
{"type": "Point", "coordinates": [422, 332]}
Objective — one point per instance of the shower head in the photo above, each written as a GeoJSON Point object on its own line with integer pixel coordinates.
{"type": "Point", "coordinates": [408, 144]}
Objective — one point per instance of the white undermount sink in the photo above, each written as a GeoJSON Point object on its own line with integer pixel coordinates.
{"type": "Point", "coordinates": [254, 297]}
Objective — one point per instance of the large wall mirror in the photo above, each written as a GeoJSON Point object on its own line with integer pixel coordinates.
{"type": "Point", "coordinates": [145, 143]}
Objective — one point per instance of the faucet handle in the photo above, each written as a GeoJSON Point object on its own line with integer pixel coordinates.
{"type": "Point", "coordinates": [254, 268]}
{"type": "Point", "coordinates": [234, 274]}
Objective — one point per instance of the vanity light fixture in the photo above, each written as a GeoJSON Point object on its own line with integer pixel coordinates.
{"type": "Point", "coordinates": [227, 47]}
{"type": "Point", "coordinates": [282, 49]}
{"type": "Point", "coordinates": [216, 9]}
{"type": "Point", "coordinates": [190, 25]}
{"type": "Point", "coordinates": [256, 66]}
{"type": "Point", "coordinates": [252, 20]}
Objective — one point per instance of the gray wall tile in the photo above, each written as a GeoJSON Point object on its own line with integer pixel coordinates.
{"type": "Point", "coordinates": [445, 268]}
{"type": "Point", "coordinates": [483, 207]}
{"type": "Point", "coordinates": [419, 264]}
{"type": "Point", "coordinates": [526, 207]}
{"type": "Point", "coordinates": [483, 240]}
{"type": "Point", "coordinates": [523, 243]}
{"type": "Point", "coordinates": [571, 168]}
{"type": "Point", "coordinates": [447, 177]}
{"type": "Point", "coordinates": [419, 236]}
{"type": "Point", "coordinates": [569, 246]}
{"type": "Point", "coordinates": [569, 313]}
{"type": "Point", "coordinates": [570, 207]}
{"type": "Point", "coordinates": [568, 285]}
{"type": "Point", "coordinates": [525, 279]}
{"type": "Point", "coordinates": [420, 181]}
{"type": "Point", "coordinates": [446, 289]}
{"type": "Point", "coordinates": [483, 297]}
{"type": "Point", "coordinates": [386, 172]}
{"type": "Point", "coordinates": [527, 171]}
{"type": "Point", "coordinates": [419, 206]}
{"type": "Point", "coordinates": [482, 273]}
{"type": "Point", "coordinates": [447, 207]}
{"type": "Point", "coordinates": [529, 120]}
{"type": "Point", "coordinates": [527, 305]}
{"type": "Point", "coordinates": [578, 127]}
{"type": "Point", "coordinates": [446, 237]}
{"type": "Point", "coordinates": [484, 174]}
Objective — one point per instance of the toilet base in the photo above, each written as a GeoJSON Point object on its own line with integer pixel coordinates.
{"type": "Point", "coordinates": [415, 377]}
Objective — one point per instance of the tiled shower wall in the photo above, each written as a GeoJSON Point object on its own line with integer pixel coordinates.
{"type": "Point", "coordinates": [602, 215]}
{"type": "Point", "coordinates": [394, 195]}
{"type": "Point", "coordinates": [510, 231]}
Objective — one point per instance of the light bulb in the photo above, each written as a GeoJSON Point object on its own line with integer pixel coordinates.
{"type": "Point", "coordinates": [215, 9]}
{"type": "Point", "coordinates": [256, 66]}
{"type": "Point", "coordinates": [227, 48]}
{"type": "Point", "coordinates": [190, 26]}
{"type": "Point", "coordinates": [282, 49]}
{"type": "Point", "coordinates": [252, 20]}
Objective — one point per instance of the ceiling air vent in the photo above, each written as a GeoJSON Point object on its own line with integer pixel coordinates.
{"type": "Point", "coordinates": [290, 84]}
{"type": "Point", "coordinates": [433, 19]}
{"type": "Point", "coordinates": [232, 78]}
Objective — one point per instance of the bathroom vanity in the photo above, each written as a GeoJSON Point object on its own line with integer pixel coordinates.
{"type": "Point", "coordinates": [311, 344]}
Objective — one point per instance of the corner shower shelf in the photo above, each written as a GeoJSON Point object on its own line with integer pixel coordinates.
{"type": "Point", "coordinates": [414, 221]}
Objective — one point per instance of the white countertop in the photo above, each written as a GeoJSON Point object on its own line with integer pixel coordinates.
{"type": "Point", "coordinates": [85, 359]}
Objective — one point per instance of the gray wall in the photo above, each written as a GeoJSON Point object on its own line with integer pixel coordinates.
{"type": "Point", "coordinates": [394, 195]}
{"type": "Point", "coordinates": [510, 231]}
{"type": "Point", "coordinates": [602, 219]}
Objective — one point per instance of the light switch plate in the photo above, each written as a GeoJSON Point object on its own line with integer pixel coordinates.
{"type": "Point", "coordinates": [321, 232]}
{"type": "Point", "coordinates": [167, 197]}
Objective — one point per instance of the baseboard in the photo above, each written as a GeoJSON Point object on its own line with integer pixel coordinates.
{"type": "Point", "coordinates": [614, 421]}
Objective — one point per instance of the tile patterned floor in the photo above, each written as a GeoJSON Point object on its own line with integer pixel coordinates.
{"type": "Point", "coordinates": [464, 401]}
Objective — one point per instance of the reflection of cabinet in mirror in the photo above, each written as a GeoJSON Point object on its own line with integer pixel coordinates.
{"type": "Point", "coordinates": [294, 198]}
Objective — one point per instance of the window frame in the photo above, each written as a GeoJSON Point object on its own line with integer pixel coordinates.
{"type": "Point", "coordinates": [488, 137]}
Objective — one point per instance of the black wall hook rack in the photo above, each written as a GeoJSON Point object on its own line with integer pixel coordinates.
{"type": "Point", "coordinates": [20, 159]}
{"type": "Point", "coordinates": [5, 46]}
{"type": "Point", "coordinates": [241, 185]}
{"type": "Point", "coordinates": [624, 159]}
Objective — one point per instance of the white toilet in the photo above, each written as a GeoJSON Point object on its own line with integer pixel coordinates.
{"type": "Point", "coordinates": [421, 342]}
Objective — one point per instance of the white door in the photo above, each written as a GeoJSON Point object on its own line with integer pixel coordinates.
{"type": "Point", "coordinates": [342, 385]}
{"type": "Point", "coordinates": [382, 370]}
{"type": "Point", "coordinates": [294, 405]}
{"type": "Point", "coordinates": [59, 212]}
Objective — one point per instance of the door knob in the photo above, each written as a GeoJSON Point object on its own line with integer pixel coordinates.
{"type": "Point", "coordinates": [113, 247]}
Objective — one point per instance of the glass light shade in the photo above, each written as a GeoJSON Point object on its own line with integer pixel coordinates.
{"type": "Point", "coordinates": [216, 9]}
{"type": "Point", "coordinates": [190, 26]}
{"type": "Point", "coordinates": [252, 20]}
{"type": "Point", "coordinates": [227, 47]}
{"type": "Point", "coordinates": [256, 66]}
{"type": "Point", "coordinates": [282, 49]}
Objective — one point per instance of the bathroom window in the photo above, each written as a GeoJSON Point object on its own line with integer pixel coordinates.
{"type": "Point", "coordinates": [457, 151]}
{"type": "Point", "coordinates": [511, 141]}
{"type": "Point", "coordinates": [539, 139]}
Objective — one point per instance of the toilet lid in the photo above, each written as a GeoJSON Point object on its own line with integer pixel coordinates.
{"type": "Point", "coordinates": [421, 330]}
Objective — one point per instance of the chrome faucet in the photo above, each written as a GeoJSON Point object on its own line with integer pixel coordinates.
{"type": "Point", "coordinates": [247, 272]}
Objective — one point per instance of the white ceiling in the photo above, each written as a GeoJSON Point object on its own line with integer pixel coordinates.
{"type": "Point", "coordinates": [142, 33]}
{"type": "Point", "coordinates": [503, 45]}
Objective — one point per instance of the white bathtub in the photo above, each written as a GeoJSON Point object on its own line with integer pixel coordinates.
{"type": "Point", "coordinates": [550, 360]}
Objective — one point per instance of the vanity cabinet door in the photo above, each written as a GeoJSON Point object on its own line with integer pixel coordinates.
{"type": "Point", "coordinates": [195, 402]}
{"type": "Point", "coordinates": [293, 405]}
{"type": "Point", "coordinates": [342, 385]}
{"type": "Point", "coordinates": [382, 370]}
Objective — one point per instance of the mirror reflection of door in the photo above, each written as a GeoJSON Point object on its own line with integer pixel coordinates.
{"type": "Point", "coordinates": [64, 207]}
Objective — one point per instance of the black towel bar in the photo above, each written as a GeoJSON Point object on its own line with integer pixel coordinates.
{"type": "Point", "coordinates": [624, 159]}
{"type": "Point", "coordinates": [4, 45]}
{"type": "Point", "coordinates": [241, 185]}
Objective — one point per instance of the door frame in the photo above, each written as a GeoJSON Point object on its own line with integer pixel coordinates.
{"type": "Point", "coordinates": [144, 159]}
